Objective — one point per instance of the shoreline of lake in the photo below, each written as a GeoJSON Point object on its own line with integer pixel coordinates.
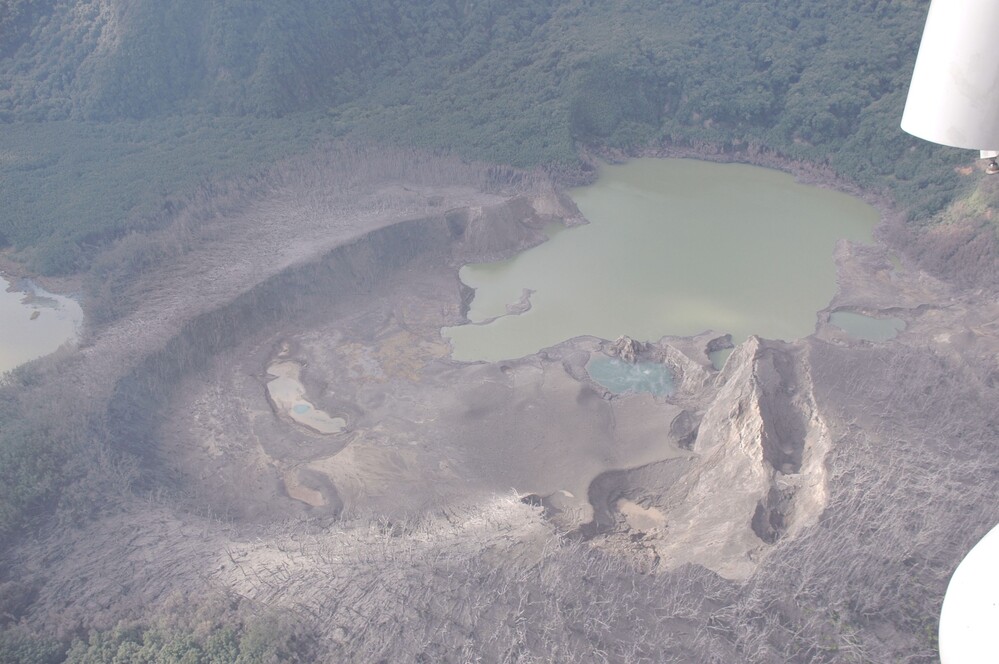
{"type": "Point", "coordinates": [37, 322]}
{"type": "Point", "coordinates": [890, 231]}
{"type": "Point", "coordinates": [667, 243]}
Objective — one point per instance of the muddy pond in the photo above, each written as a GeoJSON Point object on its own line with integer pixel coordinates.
{"type": "Point", "coordinates": [673, 247]}
{"type": "Point", "coordinates": [34, 322]}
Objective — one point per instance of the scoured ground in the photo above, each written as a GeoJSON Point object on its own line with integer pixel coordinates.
{"type": "Point", "coordinates": [515, 510]}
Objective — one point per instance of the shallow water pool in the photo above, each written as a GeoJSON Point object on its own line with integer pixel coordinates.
{"type": "Point", "coordinates": [867, 328]}
{"type": "Point", "coordinates": [620, 377]}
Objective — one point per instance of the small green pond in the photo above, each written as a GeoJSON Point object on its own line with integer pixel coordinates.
{"type": "Point", "coordinates": [867, 328]}
{"type": "Point", "coordinates": [719, 357]}
{"type": "Point", "coordinates": [620, 377]}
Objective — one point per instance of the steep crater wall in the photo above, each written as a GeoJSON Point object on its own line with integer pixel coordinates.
{"type": "Point", "coordinates": [305, 292]}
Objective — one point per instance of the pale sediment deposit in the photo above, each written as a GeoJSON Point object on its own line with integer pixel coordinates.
{"type": "Point", "coordinates": [287, 395]}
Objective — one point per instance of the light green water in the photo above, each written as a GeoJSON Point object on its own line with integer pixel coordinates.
{"type": "Point", "coordinates": [33, 323]}
{"type": "Point", "coordinates": [619, 376]}
{"type": "Point", "coordinates": [719, 357]}
{"type": "Point", "coordinates": [674, 247]}
{"type": "Point", "coordinates": [867, 327]}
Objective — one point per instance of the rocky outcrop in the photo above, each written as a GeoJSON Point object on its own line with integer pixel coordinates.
{"type": "Point", "coordinates": [627, 349]}
{"type": "Point", "coordinates": [554, 206]}
{"type": "Point", "coordinates": [759, 475]}
{"type": "Point", "coordinates": [494, 232]}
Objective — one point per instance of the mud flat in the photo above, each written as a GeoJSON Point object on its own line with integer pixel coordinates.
{"type": "Point", "coordinates": [427, 430]}
{"type": "Point", "coordinates": [424, 430]}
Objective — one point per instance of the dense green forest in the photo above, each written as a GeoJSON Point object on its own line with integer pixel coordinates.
{"type": "Point", "coordinates": [114, 111]}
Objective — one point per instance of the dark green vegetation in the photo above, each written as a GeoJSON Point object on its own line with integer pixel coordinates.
{"type": "Point", "coordinates": [110, 123]}
{"type": "Point", "coordinates": [71, 187]}
{"type": "Point", "coordinates": [212, 633]}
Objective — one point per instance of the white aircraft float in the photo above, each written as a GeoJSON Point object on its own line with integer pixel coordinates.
{"type": "Point", "coordinates": [954, 94]}
{"type": "Point", "coordinates": [954, 100]}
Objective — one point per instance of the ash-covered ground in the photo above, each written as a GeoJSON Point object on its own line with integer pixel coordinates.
{"type": "Point", "coordinates": [805, 503]}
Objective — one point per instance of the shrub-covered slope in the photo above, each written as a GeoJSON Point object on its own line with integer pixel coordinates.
{"type": "Point", "coordinates": [149, 99]}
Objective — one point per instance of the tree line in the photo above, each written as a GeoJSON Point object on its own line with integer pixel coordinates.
{"type": "Point", "coordinates": [99, 141]}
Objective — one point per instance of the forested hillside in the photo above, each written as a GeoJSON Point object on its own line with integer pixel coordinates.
{"type": "Point", "coordinates": [114, 110]}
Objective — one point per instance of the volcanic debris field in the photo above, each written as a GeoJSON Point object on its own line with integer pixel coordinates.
{"type": "Point", "coordinates": [302, 440]}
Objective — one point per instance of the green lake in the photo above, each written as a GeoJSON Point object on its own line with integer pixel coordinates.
{"type": "Point", "coordinates": [867, 328]}
{"type": "Point", "coordinates": [34, 322]}
{"type": "Point", "coordinates": [674, 247]}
